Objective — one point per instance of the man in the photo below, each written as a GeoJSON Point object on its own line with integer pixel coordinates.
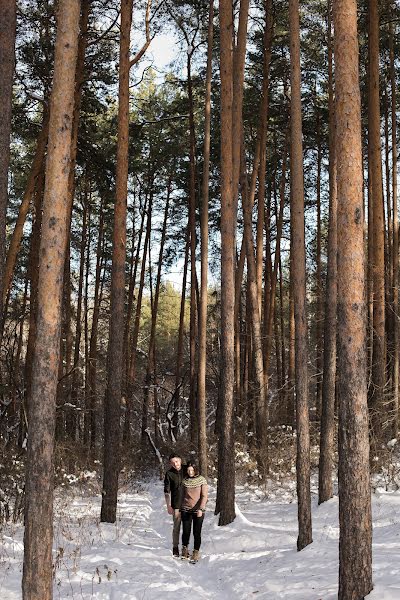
{"type": "Point", "coordinates": [173, 492]}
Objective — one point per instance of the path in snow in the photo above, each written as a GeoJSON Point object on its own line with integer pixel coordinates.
{"type": "Point", "coordinates": [253, 557]}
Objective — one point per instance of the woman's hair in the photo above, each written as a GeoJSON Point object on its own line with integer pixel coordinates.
{"type": "Point", "coordinates": [195, 468]}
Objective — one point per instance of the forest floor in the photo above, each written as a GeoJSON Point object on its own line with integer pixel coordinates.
{"type": "Point", "coordinates": [254, 557]}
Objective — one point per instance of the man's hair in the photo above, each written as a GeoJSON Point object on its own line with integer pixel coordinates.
{"type": "Point", "coordinates": [174, 455]}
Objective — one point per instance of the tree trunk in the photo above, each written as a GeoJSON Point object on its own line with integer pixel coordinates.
{"type": "Point", "coordinates": [92, 367]}
{"type": "Point", "coordinates": [226, 456]}
{"type": "Point", "coordinates": [355, 541]}
{"type": "Point", "coordinates": [319, 316]}
{"type": "Point", "coordinates": [260, 397]}
{"type": "Point", "coordinates": [150, 368]}
{"type": "Point", "coordinates": [87, 403]}
{"type": "Point", "coordinates": [325, 487]}
{"type": "Point", "coordinates": [78, 330]}
{"type": "Point", "coordinates": [112, 407]}
{"type": "Point", "coordinates": [192, 228]}
{"type": "Point", "coordinates": [37, 581]}
{"type": "Point", "coordinates": [33, 309]}
{"type": "Point", "coordinates": [179, 351]}
{"type": "Point", "coordinates": [136, 325]}
{"type": "Point", "coordinates": [131, 292]}
{"type": "Point", "coordinates": [7, 60]}
{"type": "Point", "coordinates": [395, 245]}
{"type": "Point", "coordinates": [298, 275]}
{"type": "Point", "coordinates": [202, 368]}
{"type": "Point", "coordinates": [24, 207]}
{"type": "Point", "coordinates": [375, 163]}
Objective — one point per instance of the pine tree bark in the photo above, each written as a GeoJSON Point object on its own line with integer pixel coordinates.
{"type": "Point", "coordinates": [226, 458]}
{"type": "Point", "coordinates": [375, 164]}
{"type": "Point", "coordinates": [395, 245]}
{"type": "Point", "coordinates": [325, 486]}
{"type": "Point", "coordinates": [355, 541]}
{"type": "Point", "coordinates": [37, 581]}
{"type": "Point", "coordinates": [7, 61]}
{"type": "Point", "coordinates": [202, 368]}
{"type": "Point", "coordinates": [112, 407]}
{"type": "Point", "coordinates": [298, 274]}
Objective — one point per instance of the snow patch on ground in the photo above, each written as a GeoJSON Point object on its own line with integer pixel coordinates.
{"type": "Point", "coordinates": [255, 556]}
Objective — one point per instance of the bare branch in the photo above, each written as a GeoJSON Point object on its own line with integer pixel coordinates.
{"type": "Point", "coordinates": [147, 43]}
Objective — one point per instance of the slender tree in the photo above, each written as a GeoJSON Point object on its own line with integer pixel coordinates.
{"type": "Point", "coordinates": [201, 378]}
{"type": "Point", "coordinates": [298, 275]}
{"type": "Point", "coordinates": [325, 486]}
{"type": "Point", "coordinates": [395, 245]}
{"type": "Point", "coordinates": [378, 225]}
{"type": "Point", "coordinates": [7, 60]}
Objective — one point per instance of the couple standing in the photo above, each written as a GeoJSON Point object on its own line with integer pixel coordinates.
{"type": "Point", "coordinates": [186, 493]}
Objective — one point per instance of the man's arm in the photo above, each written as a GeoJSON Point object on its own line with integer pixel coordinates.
{"type": "Point", "coordinates": [167, 493]}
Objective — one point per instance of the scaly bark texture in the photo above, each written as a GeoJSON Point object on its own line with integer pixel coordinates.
{"type": "Point", "coordinates": [112, 407]}
{"type": "Point", "coordinates": [355, 541]}
{"type": "Point", "coordinates": [226, 458]}
{"type": "Point", "coordinates": [298, 274]}
{"type": "Point", "coordinates": [7, 60]}
{"type": "Point", "coordinates": [37, 581]}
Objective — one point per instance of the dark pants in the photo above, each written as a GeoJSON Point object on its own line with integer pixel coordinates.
{"type": "Point", "coordinates": [187, 519]}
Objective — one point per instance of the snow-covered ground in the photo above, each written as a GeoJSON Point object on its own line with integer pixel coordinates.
{"type": "Point", "coordinates": [255, 557]}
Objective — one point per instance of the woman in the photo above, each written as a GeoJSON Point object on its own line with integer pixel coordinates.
{"type": "Point", "coordinates": [195, 492]}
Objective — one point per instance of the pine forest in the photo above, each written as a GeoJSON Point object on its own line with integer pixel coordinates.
{"type": "Point", "coordinates": [199, 267]}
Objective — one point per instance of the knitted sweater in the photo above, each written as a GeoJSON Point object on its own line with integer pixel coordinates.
{"type": "Point", "coordinates": [195, 493]}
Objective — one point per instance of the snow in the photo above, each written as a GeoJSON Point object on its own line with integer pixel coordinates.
{"type": "Point", "coordinates": [255, 556]}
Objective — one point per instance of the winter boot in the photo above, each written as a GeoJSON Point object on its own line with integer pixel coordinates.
{"type": "Point", "coordinates": [195, 556]}
{"type": "Point", "coordinates": [185, 552]}
{"type": "Point", "coordinates": [175, 552]}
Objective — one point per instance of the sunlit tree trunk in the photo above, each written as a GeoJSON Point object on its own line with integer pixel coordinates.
{"type": "Point", "coordinates": [355, 541]}
{"type": "Point", "coordinates": [37, 580]}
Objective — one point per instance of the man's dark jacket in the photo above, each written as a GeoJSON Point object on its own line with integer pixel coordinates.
{"type": "Point", "coordinates": [173, 485]}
